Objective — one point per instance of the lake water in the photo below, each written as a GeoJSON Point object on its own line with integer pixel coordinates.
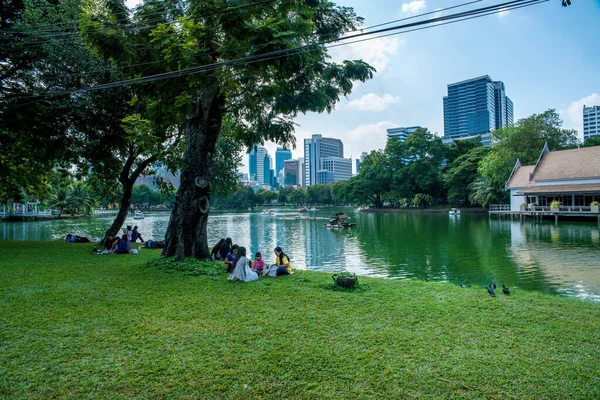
{"type": "Point", "coordinates": [561, 258]}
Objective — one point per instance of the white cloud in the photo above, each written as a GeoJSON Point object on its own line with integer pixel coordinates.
{"type": "Point", "coordinates": [366, 137]}
{"type": "Point", "coordinates": [414, 7]}
{"type": "Point", "coordinates": [373, 102]}
{"type": "Point", "coordinates": [503, 13]}
{"type": "Point", "coordinates": [375, 52]}
{"type": "Point", "coordinates": [573, 116]}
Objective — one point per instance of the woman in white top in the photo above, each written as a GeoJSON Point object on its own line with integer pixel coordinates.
{"type": "Point", "coordinates": [242, 270]}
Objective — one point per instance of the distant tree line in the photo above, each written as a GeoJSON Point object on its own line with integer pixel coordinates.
{"type": "Point", "coordinates": [422, 171]}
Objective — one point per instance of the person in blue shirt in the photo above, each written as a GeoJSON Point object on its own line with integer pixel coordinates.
{"type": "Point", "coordinates": [229, 260]}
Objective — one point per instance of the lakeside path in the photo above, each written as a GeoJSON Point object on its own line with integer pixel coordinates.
{"type": "Point", "coordinates": [74, 324]}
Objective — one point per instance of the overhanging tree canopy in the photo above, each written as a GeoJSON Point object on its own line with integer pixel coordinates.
{"type": "Point", "coordinates": [231, 45]}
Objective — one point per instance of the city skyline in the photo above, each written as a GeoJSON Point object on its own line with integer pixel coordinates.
{"type": "Point", "coordinates": [546, 44]}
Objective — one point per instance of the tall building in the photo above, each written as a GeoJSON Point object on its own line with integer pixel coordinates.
{"type": "Point", "coordinates": [252, 165]}
{"type": "Point", "coordinates": [476, 107]}
{"type": "Point", "coordinates": [302, 174]}
{"type": "Point", "coordinates": [401, 132]}
{"type": "Point", "coordinates": [315, 149]}
{"type": "Point", "coordinates": [292, 173]}
{"type": "Point", "coordinates": [281, 155]}
{"type": "Point", "coordinates": [340, 168]}
{"type": "Point", "coordinates": [260, 166]}
{"type": "Point", "coordinates": [591, 122]}
{"type": "Point", "coordinates": [359, 161]}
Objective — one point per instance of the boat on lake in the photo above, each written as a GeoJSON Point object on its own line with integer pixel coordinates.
{"type": "Point", "coordinates": [267, 212]}
{"type": "Point", "coordinates": [339, 220]}
{"type": "Point", "coordinates": [312, 209]}
{"type": "Point", "coordinates": [138, 215]}
{"type": "Point", "coordinates": [303, 209]}
{"type": "Point", "coordinates": [454, 211]}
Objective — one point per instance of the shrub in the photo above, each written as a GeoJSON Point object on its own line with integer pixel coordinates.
{"type": "Point", "coordinates": [595, 203]}
{"type": "Point", "coordinates": [555, 204]}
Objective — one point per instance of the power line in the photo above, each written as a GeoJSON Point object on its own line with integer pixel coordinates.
{"type": "Point", "coordinates": [476, 13]}
{"type": "Point", "coordinates": [225, 50]}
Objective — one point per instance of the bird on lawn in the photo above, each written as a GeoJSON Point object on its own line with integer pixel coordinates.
{"type": "Point", "coordinates": [505, 290]}
{"type": "Point", "coordinates": [490, 290]}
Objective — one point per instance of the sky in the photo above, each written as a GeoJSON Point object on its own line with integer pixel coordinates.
{"type": "Point", "coordinates": [548, 56]}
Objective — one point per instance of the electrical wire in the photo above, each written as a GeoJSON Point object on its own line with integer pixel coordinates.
{"type": "Point", "coordinates": [225, 50]}
{"type": "Point", "coordinates": [471, 14]}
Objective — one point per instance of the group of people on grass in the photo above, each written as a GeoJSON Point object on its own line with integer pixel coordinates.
{"type": "Point", "coordinates": [247, 270]}
{"type": "Point", "coordinates": [121, 244]}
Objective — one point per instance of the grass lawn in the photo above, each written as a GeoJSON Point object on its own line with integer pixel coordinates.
{"type": "Point", "coordinates": [74, 324]}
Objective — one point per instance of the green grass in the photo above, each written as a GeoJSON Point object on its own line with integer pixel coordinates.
{"type": "Point", "coordinates": [73, 324]}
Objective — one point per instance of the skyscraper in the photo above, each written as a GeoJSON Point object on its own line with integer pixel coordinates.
{"type": "Point", "coordinates": [281, 155]}
{"type": "Point", "coordinates": [340, 168]}
{"type": "Point", "coordinates": [476, 107]}
{"type": "Point", "coordinates": [359, 161]}
{"type": "Point", "coordinates": [252, 165]}
{"type": "Point", "coordinates": [259, 166]}
{"type": "Point", "coordinates": [401, 132]}
{"type": "Point", "coordinates": [291, 172]}
{"type": "Point", "coordinates": [591, 122]}
{"type": "Point", "coordinates": [315, 149]}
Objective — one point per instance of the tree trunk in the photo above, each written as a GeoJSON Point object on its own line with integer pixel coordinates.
{"type": "Point", "coordinates": [186, 234]}
{"type": "Point", "coordinates": [123, 210]}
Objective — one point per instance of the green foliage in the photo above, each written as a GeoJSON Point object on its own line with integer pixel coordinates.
{"type": "Point", "coordinates": [555, 204]}
{"type": "Point", "coordinates": [595, 203]}
{"type": "Point", "coordinates": [591, 141]}
{"type": "Point", "coordinates": [525, 141]}
{"type": "Point", "coordinates": [422, 200]}
{"type": "Point", "coordinates": [80, 199]}
{"type": "Point", "coordinates": [190, 267]}
{"type": "Point", "coordinates": [484, 193]}
{"type": "Point", "coordinates": [284, 193]}
{"type": "Point", "coordinates": [459, 148]}
{"type": "Point", "coordinates": [143, 194]}
{"type": "Point", "coordinates": [416, 165]}
{"type": "Point", "coordinates": [319, 194]}
{"type": "Point", "coordinates": [242, 198]}
{"type": "Point", "coordinates": [266, 196]}
{"type": "Point", "coordinates": [298, 196]}
{"type": "Point", "coordinates": [373, 180]}
{"type": "Point", "coordinates": [462, 172]}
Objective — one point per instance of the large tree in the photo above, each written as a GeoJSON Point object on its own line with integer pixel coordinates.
{"type": "Point", "coordinates": [372, 182]}
{"type": "Point", "coordinates": [416, 165]}
{"type": "Point", "coordinates": [462, 172]}
{"type": "Point", "coordinates": [244, 61]}
{"type": "Point", "coordinates": [524, 141]}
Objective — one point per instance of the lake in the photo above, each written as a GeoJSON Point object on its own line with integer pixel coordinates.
{"type": "Point", "coordinates": [562, 259]}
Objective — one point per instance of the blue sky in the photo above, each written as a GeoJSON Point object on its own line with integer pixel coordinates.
{"type": "Point", "coordinates": [548, 56]}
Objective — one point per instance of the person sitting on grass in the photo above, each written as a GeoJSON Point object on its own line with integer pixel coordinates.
{"type": "Point", "coordinates": [121, 245]}
{"type": "Point", "coordinates": [135, 235]}
{"type": "Point", "coordinates": [215, 253]}
{"type": "Point", "coordinates": [282, 265]}
{"type": "Point", "coordinates": [229, 260]}
{"type": "Point", "coordinates": [110, 242]}
{"type": "Point", "coordinates": [242, 270]}
{"type": "Point", "coordinates": [258, 264]}
{"type": "Point", "coordinates": [225, 248]}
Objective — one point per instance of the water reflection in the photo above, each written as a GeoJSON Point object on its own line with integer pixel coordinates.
{"type": "Point", "coordinates": [473, 249]}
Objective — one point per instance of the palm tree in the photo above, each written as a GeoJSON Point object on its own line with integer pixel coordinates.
{"type": "Point", "coordinates": [79, 197]}
{"type": "Point", "coordinates": [483, 192]}
{"type": "Point", "coordinates": [58, 200]}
